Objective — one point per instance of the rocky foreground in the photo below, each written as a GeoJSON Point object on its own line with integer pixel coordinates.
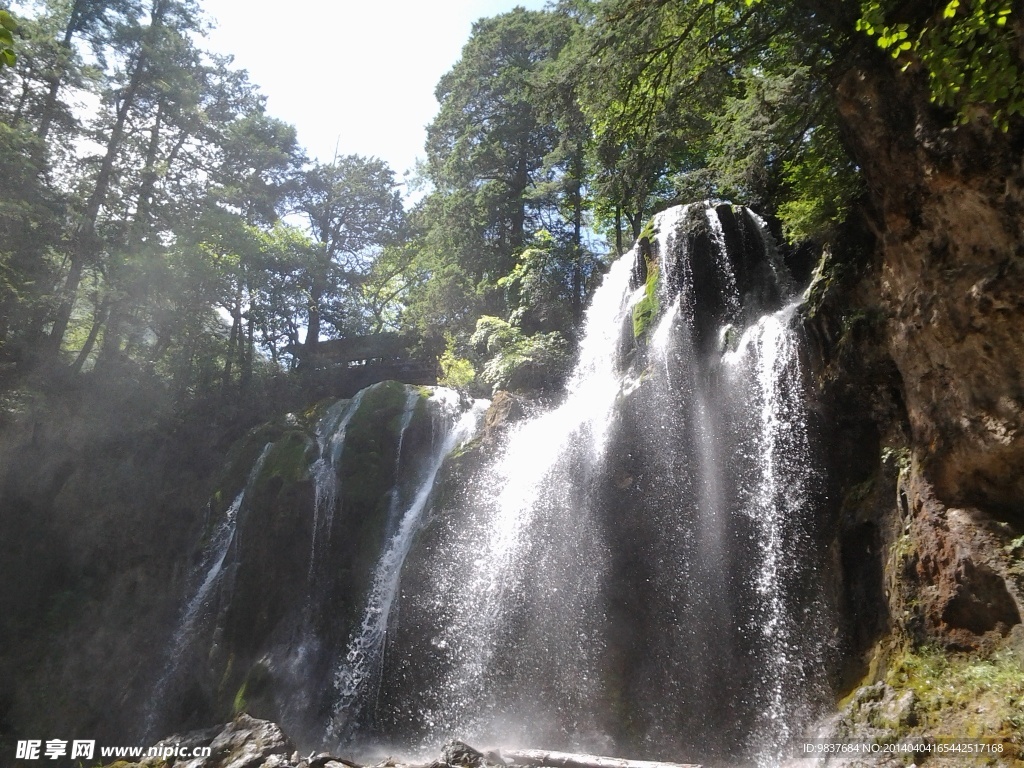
{"type": "Point", "coordinates": [247, 742]}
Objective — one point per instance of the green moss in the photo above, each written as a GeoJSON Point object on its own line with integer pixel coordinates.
{"type": "Point", "coordinates": [647, 233]}
{"type": "Point", "coordinates": [466, 448]}
{"type": "Point", "coordinates": [1016, 548]}
{"type": "Point", "coordinates": [240, 705]}
{"type": "Point", "coordinates": [646, 310]}
{"type": "Point", "coordinates": [371, 441]}
{"type": "Point", "coordinates": [366, 477]}
{"type": "Point", "coordinates": [289, 458]}
{"type": "Point", "coordinates": [903, 548]}
{"type": "Point", "coordinates": [312, 415]}
{"type": "Point", "coordinates": [962, 695]}
{"type": "Point", "coordinates": [239, 463]}
{"type": "Point", "coordinates": [253, 691]}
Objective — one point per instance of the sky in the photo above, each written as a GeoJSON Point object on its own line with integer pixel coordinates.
{"type": "Point", "coordinates": [352, 77]}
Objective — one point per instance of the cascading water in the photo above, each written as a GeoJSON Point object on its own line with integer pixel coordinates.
{"type": "Point", "coordinates": [330, 437]}
{"type": "Point", "coordinates": [347, 487]}
{"type": "Point", "coordinates": [200, 608]}
{"type": "Point", "coordinates": [630, 572]}
{"type": "Point", "coordinates": [768, 352]}
{"type": "Point", "coordinates": [358, 675]}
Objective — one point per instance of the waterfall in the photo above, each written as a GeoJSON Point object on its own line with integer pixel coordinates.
{"type": "Point", "coordinates": [359, 672]}
{"type": "Point", "coordinates": [631, 570]}
{"type": "Point", "coordinates": [519, 504]}
{"type": "Point", "coordinates": [330, 437]}
{"type": "Point", "coordinates": [200, 606]}
{"type": "Point", "coordinates": [766, 364]}
{"type": "Point", "coordinates": [627, 569]}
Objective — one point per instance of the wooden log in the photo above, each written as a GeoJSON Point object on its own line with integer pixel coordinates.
{"type": "Point", "coordinates": [541, 758]}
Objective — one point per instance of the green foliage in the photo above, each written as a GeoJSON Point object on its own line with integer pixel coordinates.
{"type": "Point", "coordinates": [776, 144]}
{"type": "Point", "coordinates": [722, 99]}
{"type": "Point", "coordinates": [899, 457]}
{"type": "Point", "coordinates": [969, 50]}
{"type": "Point", "coordinates": [517, 359]}
{"type": "Point", "coordinates": [990, 688]}
{"type": "Point", "coordinates": [456, 372]}
{"type": "Point", "coordinates": [544, 291]}
{"type": "Point", "coordinates": [8, 26]}
{"type": "Point", "coordinates": [821, 185]}
{"type": "Point", "coordinates": [505, 157]}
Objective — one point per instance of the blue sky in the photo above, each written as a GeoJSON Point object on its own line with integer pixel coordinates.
{"type": "Point", "coordinates": [356, 76]}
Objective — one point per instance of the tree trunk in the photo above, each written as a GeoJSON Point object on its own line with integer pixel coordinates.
{"type": "Point", "coordinates": [148, 184]}
{"type": "Point", "coordinates": [236, 321]}
{"type": "Point", "coordinates": [56, 80]}
{"type": "Point", "coordinates": [618, 230]}
{"type": "Point", "coordinates": [247, 353]}
{"type": "Point", "coordinates": [316, 295]}
{"type": "Point", "coordinates": [577, 235]}
{"type": "Point", "coordinates": [111, 348]}
{"type": "Point", "coordinates": [97, 323]}
{"type": "Point", "coordinates": [520, 181]}
{"type": "Point", "coordinates": [84, 245]}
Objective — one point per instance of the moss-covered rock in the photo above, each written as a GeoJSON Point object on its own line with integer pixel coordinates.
{"type": "Point", "coordinates": [928, 693]}
{"type": "Point", "coordinates": [646, 310]}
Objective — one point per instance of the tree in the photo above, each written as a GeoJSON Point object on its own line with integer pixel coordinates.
{"type": "Point", "coordinates": [354, 209]}
{"type": "Point", "coordinates": [257, 176]}
{"type": "Point", "coordinates": [31, 221]}
{"type": "Point", "coordinates": [727, 98]}
{"type": "Point", "coordinates": [494, 154]}
{"type": "Point", "coordinates": [95, 20]}
{"type": "Point", "coordinates": [969, 49]}
{"type": "Point", "coordinates": [168, 23]}
{"type": "Point", "coordinates": [489, 136]}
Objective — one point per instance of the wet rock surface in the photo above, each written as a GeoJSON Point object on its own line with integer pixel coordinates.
{"type": "Point", "coordinates": [952, 572]}
{"type": "Point", "coordinates": [946, 207]}
{"type": "Point", "coordinates": [246, 742]}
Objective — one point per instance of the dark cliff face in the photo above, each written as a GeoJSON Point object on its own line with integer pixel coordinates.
{"type": "Point", "coordinates": [946, 208]}
{"type": "Point", "coordinates": [99, 498]}
{"type": "Point", "coordinates": [917, 321]}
